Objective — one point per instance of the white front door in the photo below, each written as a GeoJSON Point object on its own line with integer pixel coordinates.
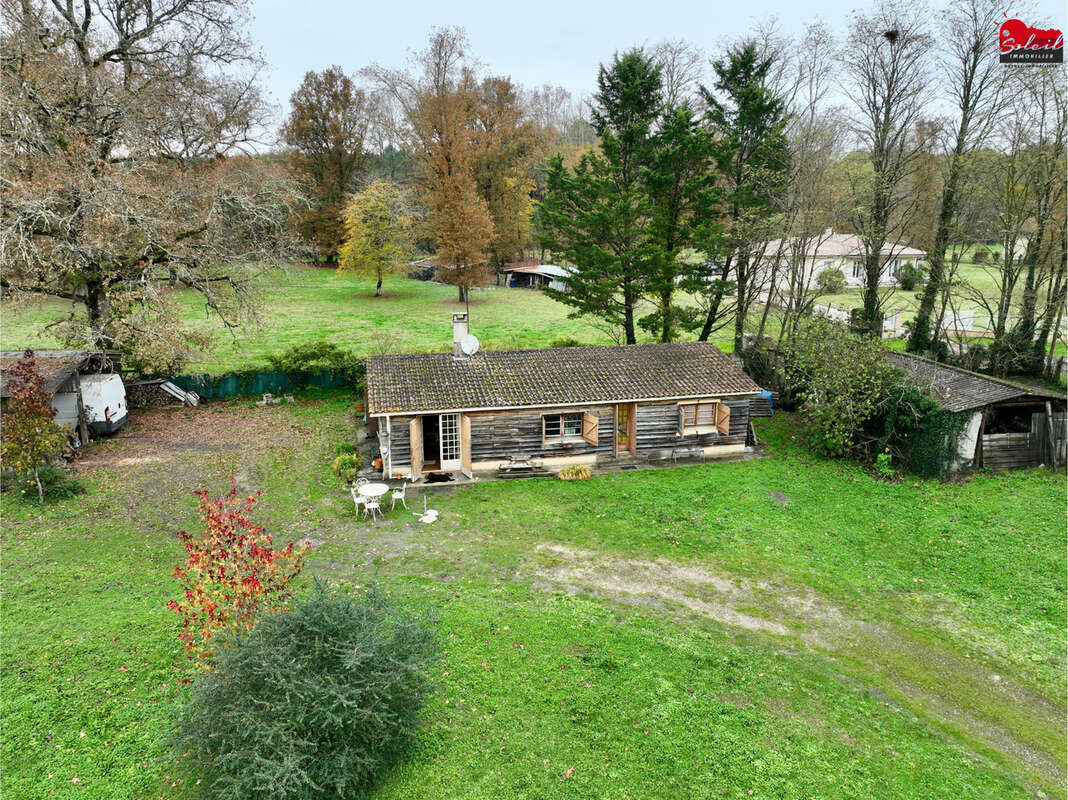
{"type": "Point", "coordinates": [449, 428]}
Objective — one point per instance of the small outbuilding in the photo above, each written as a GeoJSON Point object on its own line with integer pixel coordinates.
{"type": "Point", "coordinates": [613, 405]}
{"type": "Point", "coordinates": [63, 372]}
{"type": "Point", "coordinates": [536, 276]}
{"type": "Point", "coordinates": [1009, 425]}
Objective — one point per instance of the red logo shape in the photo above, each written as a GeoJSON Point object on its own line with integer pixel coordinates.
{"type": "Point", "coordinates": [1017, 35]}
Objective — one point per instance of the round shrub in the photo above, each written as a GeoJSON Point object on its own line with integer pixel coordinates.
{"type": "Point", "coordinates": [316, 701]}
{"type": "Point", "coordinates": [347, 463]}
{"type": "Point", "coordinates": [831, 281]}
{"type": "Point", "coordinates": [910, 277]}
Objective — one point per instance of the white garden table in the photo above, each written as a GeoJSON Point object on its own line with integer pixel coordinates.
{"type": "Point", "coordinates": [373, 489]}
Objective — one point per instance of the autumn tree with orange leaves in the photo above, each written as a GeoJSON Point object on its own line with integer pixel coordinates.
{"type": "Point", "coordinates": [231, 572]}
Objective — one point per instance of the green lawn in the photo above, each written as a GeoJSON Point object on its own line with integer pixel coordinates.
{"type": "Point", "coordinates": [305, 303]}
{"type": "Point", "coordinates": [650, 634]}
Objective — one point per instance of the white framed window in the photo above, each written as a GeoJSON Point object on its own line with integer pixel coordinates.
{"type": "Point", "coordinates": [858, 269]}
{"type": "Point", "coordinates": [560, 427]}
{"type": "Point", "coordinates": [570, 428]}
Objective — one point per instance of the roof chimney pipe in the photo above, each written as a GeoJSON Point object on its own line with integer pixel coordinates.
{"type": "Point", "coordinates": [459, 331]}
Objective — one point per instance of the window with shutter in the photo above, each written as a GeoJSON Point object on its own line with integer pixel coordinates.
{"type": "Point", "coordinates": [708, 417]}
{"type": "Point", "coordinates": [590, 428]}
{"type": "Point", "coordinates": [562, 428]}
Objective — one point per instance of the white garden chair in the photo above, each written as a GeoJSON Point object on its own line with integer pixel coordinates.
{"type": "Point", "coordinates": [358, 500]}
{"type": "Point", "coordinates": [374, 508]}
{"type": "Point", "coordinates": [398, 494]}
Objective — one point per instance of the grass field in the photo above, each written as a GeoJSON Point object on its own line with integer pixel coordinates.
{"type": "Point", "coordinates": [304, 303]}
{"type": "Point", "coordinates": [651, 634]}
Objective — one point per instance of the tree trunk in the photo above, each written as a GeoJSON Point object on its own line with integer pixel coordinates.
{"type": "Point", "coordinates": [96, 307]}
{"type": "Point", "coordinates": [870, 315]}
{"type": "Point", "coordinates": [713, 308]}
{"type": "Point", "coordinates": [462, 293]}
{"type": "Point", "coordinates": [921, 339]}
{"type": "Point", "coordinates": [666, 321]}
{"type": "Point", "coordinates": [378, 287]}
{"type": "Point", "coordinates": [628, 314]}
{"type": "Point", "coordinates": [37, 480]}
{"type": "Point", "coordinates": [741, 311]}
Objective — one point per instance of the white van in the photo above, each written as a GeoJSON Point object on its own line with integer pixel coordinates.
{"type": "Point", "coordinates": [104, 399]}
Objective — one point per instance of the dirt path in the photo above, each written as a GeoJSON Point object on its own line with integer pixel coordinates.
{"type": "Point", "coordinates": [989, 712]}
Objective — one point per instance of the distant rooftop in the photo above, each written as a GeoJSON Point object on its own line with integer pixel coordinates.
{"type": "Point", "coordinates": [831, 245]}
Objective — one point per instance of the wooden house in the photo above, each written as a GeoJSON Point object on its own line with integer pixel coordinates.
{"type": "Point", "coordinates": [1009, 426]}
{"type": "Point", "coordinates": [454, 413]}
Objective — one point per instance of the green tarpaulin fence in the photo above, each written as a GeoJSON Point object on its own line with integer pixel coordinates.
{"type": "Point", "coordinates": [241, 384]}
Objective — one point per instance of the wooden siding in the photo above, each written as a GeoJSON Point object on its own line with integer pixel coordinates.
{"type": "Point", "coordinates": [1010, 451]}
{"type": "Point", "coordinates": [496, 435]}
{"type": "Point", "coordinates": [658, 427]}
{"type": "Point", "coordinates": [1020, 450]}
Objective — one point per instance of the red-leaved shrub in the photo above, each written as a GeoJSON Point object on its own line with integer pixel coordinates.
{"type": "Point", "coordinates": [231, 571]}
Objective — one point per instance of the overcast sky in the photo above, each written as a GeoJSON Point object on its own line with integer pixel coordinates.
{"type": "Point", "coordinates": [534, 42]}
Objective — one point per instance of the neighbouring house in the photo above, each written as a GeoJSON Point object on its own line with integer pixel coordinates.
{"type": "Point", "coordinates": [73, 378]}
{"type": "Point", "coordinates": [841, 251]}
{"type": "Point", "coordinates": [1009, 426]}
{"type": "Point", "coordinates": [535, 276]}
{"type": "Point", "coordinates": [615, 405]}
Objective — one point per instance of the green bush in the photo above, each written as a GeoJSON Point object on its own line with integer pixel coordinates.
{"type": "Point", "coordinates": [980, 255]}
{"type": "Point", "coordinates": [345, 447]}
{"type": "Point", "coordinates": [910, 277]}
{"type": "Point", "coordinates": [317, 701]}
{"type": "Point", "coordinates": [319, 356]}
{"type": "Point", "coordinates": [842, 378]}
{"type": "Point", "coordinates": [56, 483]}
{"type": "Point", "coordinates": [346, 464]}
{"type": "Point", "coordinates": [884, 466]}
{"type": "Point", "coordinates": [831, 281]}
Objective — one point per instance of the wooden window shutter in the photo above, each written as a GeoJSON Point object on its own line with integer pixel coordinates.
{"type": "Point", "coordinates": [415, 442]}
{"type": "Point", "coordinates": [723, 418]}
{"type": "Point", "coordinates": [591, 425]}
{"type": "Point", "coordinates": [682, 420]}
{"type": "Point", "coordinates": [465, 443]}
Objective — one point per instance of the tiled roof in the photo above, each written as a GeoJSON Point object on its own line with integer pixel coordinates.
{"type": "Point", "coordinates": [422, 382]}
{"type": "Point", "coordinates": [958, 389]}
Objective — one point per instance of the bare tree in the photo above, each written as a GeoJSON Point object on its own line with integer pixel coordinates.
{"type": "Point", "coordinates": [971, 71]}
{"type": "Point", "coordinates": [884, 68]}
{"type": "Point", "coordinates": [1026, 184]}
{"type": "Point", "coordinates": [122, 138]}
{"type": "Point", "coordinates": [682, 68]}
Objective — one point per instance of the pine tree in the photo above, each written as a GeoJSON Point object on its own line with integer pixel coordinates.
{"type": "Point", "coordinates": [597, 215]}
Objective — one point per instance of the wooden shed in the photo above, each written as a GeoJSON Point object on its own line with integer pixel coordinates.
{"type": "Point", "coordinates": [444, 412]}
{"type": "Point", "coordinates": [1009, 425]}
{"type": "Point", "coordinates": [60, 370]}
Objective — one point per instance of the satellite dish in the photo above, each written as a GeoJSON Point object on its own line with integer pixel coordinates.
{"type": "Point", "coordinates": [469, 344]}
